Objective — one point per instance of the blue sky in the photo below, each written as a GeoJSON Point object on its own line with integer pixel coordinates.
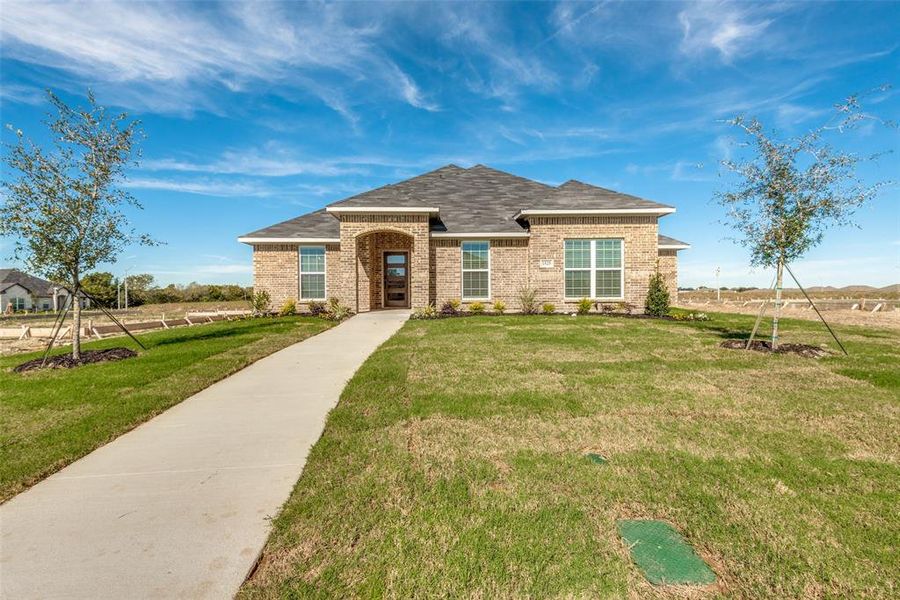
{"type": "Point", "coordinates": [255, 113]}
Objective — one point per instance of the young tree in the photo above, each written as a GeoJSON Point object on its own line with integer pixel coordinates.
{"type": "Point", "coordinates": [789, 191]}
{"type": "Point", "coordinates": [64, 209]}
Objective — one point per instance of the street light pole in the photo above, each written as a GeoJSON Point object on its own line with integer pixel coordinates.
{"type": "Point", "coordinates": [125, 285]}
{"type": "Point", "coordinates": [718, 288]}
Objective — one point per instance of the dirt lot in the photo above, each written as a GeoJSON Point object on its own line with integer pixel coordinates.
{"type": "Point", "coordinates": [889, 318]}
{"type": "Point", "coordinates": [132, 315]}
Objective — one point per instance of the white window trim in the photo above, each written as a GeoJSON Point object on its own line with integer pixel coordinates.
{"type": "Point", "coordinates": [300, 273]}
{"type": "Point", "coordinates": [463, 270]}
{"type": "Point", "coordinates": [593, 269]}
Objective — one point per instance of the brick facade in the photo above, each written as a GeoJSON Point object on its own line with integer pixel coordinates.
{"type": "Point", "coordinates": [445, 271]}
{"type": "Point", "coordinates": [509, 270]}
{"type": "Point", "coordinates": [668, 266]}
{"type": "Point", "coordinates": [276, 269]}
{"type": "Point", "coordinates": [354, 267]}
{"type": "Point", "coordinates": [639, 235]}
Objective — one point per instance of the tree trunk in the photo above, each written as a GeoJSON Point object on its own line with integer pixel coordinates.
{"type": "Point", "coordinates": [76, 326]}
{"type": "Point", "coordinates": [779, 281]}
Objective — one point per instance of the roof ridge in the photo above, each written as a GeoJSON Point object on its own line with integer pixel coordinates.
{"type": "Point", "coordinates": [508, 174]}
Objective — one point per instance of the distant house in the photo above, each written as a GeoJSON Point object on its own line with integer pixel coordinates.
{"type": "Point", "coordinates": [474, 234]}
{"type": "Point", "coordinates": [21, 291]}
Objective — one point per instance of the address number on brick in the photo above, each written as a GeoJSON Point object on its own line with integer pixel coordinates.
{"type": "Point", "coordinates": [546, 263]}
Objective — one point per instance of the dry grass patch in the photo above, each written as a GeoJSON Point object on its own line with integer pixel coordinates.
{"type": "Point", "coordinates": [455, 464]}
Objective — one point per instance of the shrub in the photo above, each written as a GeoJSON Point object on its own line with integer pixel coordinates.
{"type": "Point", "coordinates": [476, 307]}
{"type": "Point", "coordinates": [335, 311]}
{"type": "Point", "coordinates": [657, 303]}
{"type": "Point", "coordinates": [584, 306]}
{"type": "Point", "coordinates": [450, 308]}
{"type": "Point", "coordinates": [288, 308]}
{"type": "Point", "coordinates": [316, 308]}
{"type": "Point", "coordinates": [527, 301]}
{"type": "Point", "coordinates": [429, 312]}
{"type": "Point", "coordinates": [500, 306]}
{"type": "Point", "coordinates": [548, 308]}
{"type": "Point", "coordinates": [260, 302]}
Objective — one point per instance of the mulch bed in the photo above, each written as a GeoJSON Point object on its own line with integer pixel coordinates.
{"type": "Point", "coordinates": [65, 361]}
{"type": "Point", "coordinates": [803, 350]}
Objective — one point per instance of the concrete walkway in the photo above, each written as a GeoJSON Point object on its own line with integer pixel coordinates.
{"type": "Point", "coordinates": [180, 507]}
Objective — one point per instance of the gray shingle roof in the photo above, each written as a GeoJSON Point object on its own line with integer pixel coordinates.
{"type": "Point", "coordinates": [35, 285]}
{"type": "Point", "coordinates": [664, 240]}
{"type": "Point", "coordinates": [474, 200]}
{"type": "Point", "coordinates": [407, 193]}
{"type": "Point", "coordinates": [318, 224]}
{"type": "Point", "coordinates": [575, 195]}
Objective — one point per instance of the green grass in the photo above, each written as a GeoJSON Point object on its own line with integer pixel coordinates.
{"type": "Point", "coordinates": [52, 417]}
{"type": "Point", "coordinates": [455, 464]}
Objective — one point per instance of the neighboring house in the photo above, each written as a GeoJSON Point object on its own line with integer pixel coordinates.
{"type": "Point", "coordinates": [22, 291]}
{"type": "Point", "coordinates": [471, 234]}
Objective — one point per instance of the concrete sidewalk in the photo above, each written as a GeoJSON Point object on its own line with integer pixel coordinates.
{"type": "Point", "coordinates": [180, 507]}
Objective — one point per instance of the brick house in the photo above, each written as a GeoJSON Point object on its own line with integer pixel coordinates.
{"type": "Point", "coordinates": [20, 291]}
{"type": "Point", "coordinates": [470, 234]}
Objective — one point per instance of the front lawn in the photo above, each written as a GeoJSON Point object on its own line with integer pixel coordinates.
{"type": "Point", "coordinates": [52, 417]}
{"type": "Point", "coordinates": [455, 464]}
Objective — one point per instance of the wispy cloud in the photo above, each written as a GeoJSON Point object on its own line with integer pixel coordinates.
{"type": "Point", "coordinates": [726, 28]}
{"type": "Point", "coordinates": [679, 170]}
{"type": "Point", "coordinates": [496, 66]}
{"type": "Point", "coordinates": [270, 160]}
{"type": "Point", "coordinates": [25, 94]}
{"type": "Point", "coordinates": [202, 187]}
{"type": "Point", "coordinates": [411, 92]}
{"type": "Point", "coordinates": [167, 50]}
{"type": "Point", "coordinates": [243, 188]}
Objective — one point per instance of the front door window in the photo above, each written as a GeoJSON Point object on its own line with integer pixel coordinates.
{"type": "Point", "coordinates": [396, 279]}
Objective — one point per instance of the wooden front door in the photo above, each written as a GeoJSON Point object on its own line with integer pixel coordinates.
{"type": "Point", "coordinates": [396, 279]}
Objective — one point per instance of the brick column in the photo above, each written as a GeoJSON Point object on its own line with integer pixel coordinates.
{"type": "Point", "coordinates": [420, 263]}
{"type": "Point", "coordinates": [346, 290]}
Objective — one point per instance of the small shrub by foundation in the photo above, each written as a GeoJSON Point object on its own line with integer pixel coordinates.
{"type": "Point", "coordinates": [584, 306]}
{"type": "Point", "coordinates": [288, 308]}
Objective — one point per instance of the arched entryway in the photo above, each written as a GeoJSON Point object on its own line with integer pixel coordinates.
{"type": "Point", "coordinates": [384, 277]}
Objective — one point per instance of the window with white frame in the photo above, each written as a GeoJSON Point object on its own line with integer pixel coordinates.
{"type": "Point", "coordinates": [593, 269]}
{"type": "Point", "coordinates": [476, 270]}
{"type": "Point", "coordinates": [312, 272]}
{"type": "Point", "coordinates": [17, 302]}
